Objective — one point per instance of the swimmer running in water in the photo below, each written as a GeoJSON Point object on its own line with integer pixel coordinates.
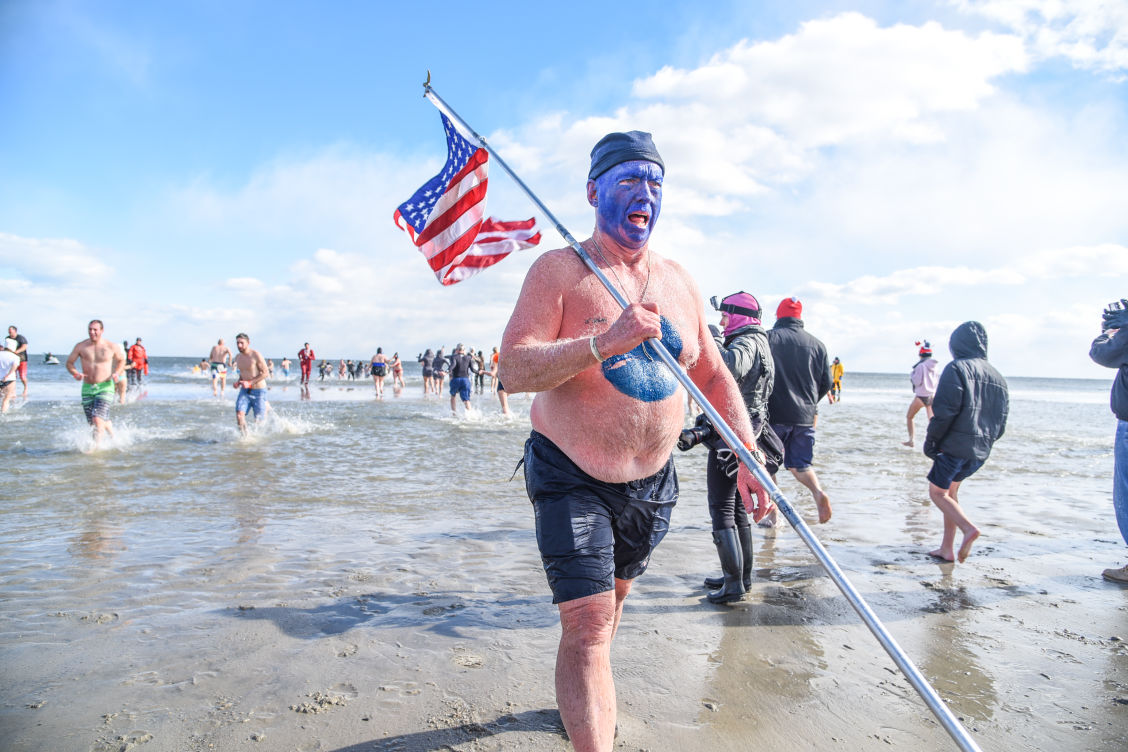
{"type": "Point", "coordinates": [251, 383]}
{"type": "Point", "coordinates": [103, 363]}
{"type": "Point", "coordinates": [219, 358]}
{"type": "Point", "coordinates": [397, 373]}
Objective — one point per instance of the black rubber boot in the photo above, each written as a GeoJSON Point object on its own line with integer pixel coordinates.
{"type": "Point", "coordinates": [744, 534]}
{"type": "Point", "coordinates": [728, 550]}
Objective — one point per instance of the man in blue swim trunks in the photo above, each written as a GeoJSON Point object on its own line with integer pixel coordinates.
{"type": "Point", "coordinates": [802, 378]}
{"type": "Point", "coordinates": [606, 417]}
{"type": "Point", "coordinates": [460, 377]}
{"type": "Point", "coordinates": [251, 383]}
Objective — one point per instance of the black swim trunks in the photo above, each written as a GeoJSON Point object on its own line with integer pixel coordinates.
{"type": "Point", "coordinates": [591, 532]}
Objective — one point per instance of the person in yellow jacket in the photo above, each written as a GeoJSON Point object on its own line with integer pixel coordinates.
{"type": "Point", "coordinates": [836, 371]}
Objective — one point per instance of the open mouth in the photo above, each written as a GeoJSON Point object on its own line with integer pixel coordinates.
{"type": "Point", "coordinates": [638, 219]}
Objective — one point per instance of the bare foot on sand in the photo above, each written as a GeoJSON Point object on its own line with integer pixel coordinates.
{"type": "Point", "coordinates": [908, 443]}
{"type": "Point", "coordinates": [965, 547]}
{"type": "Point", "coordinates": [942, 555]}
{"type": "Point", "coordinates": [823, 503]}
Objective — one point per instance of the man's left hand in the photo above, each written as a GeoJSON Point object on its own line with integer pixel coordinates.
{"type": "Point", "coordinates": [756, 500]}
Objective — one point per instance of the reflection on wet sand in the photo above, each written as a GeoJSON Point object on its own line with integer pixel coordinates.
{"type": "Point", "coordinates": [950, 658]}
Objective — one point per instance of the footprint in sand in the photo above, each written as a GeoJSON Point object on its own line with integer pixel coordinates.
{"type": "Point", "coordinates": [468, 660]}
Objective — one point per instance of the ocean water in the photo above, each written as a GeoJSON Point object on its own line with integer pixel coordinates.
{"type": "Point", "coordinates": [179, 517]}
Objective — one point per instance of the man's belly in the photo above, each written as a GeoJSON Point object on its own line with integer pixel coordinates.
{"type": "Point", "coordinates": [611, 436]}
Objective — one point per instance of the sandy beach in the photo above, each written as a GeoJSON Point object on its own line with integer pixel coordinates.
{"type": "Point", "coordinates": [307, 591]}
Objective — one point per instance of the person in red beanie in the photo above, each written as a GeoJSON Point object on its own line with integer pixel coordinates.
{"type": "Point", "coordinates": [802, 378]}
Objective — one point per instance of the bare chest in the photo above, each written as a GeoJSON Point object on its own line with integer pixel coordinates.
{"type": "Point", "coordinates": [591, 311]}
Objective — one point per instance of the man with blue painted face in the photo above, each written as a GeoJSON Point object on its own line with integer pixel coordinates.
{"type": "Point", "coordinates": [607, 415]}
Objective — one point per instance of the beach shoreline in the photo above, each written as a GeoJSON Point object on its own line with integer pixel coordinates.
{"type": "Point", "coordinates": [310, 590]}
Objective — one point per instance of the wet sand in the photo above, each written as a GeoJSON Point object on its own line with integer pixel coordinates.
{"type": "Point", "coordinates": [292, 625]}
{"type": "Point", "coordinates": [1024, 642]}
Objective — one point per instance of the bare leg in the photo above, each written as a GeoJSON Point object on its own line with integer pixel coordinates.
{"type": "Point", "coordinates": [948, 503]}
{"type": "Point", "coordinates": [914, 408]}
{"type": "Point", "coordinates": [585, 689]}
{"type": "Point", "coordinates": [241, 421]}
{"type": "Point", "coordinates": [811, 481]}
{"type": "Point", "coordinates": [503, 398]}
{"type": "Point", "coordinates": [101, 426]}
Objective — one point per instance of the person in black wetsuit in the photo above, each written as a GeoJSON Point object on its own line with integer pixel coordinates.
{"type": "Point", "coordinates": [743, 344]}
{"type": "Point", "coordinates": [439, 369]}
{"type": "Point", "coordinates": [427, 359]}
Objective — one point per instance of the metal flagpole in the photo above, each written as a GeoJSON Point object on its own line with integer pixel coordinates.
{"type": "Point", "coordinates": [950, 723]}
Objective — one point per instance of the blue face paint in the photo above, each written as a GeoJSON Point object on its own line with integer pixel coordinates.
{"type": "Point", "coordinates": [628, 201]}
{"type": "Point", "coordinates": [640, 374]}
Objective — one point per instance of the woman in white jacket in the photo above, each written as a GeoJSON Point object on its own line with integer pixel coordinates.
{"type": "Point", "coordinates": [925, 375]}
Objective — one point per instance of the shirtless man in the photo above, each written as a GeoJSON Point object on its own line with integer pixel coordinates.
{"type": "Point", "coordinates": [251, 383]}
{"type": "Point", "coordinates": [607, 416]}
{"type": "Point", "coordinates": [219, 358]}
{"type": "Point", "coordinates": [103, 363]}
{"type": "Point", "coordinates": [21, 351]}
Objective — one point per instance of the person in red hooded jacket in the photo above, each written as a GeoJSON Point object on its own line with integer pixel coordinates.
{"type": "Point", "coordinates": [305, 360]}
{"type": "Point", "coordinates": [139, 359]}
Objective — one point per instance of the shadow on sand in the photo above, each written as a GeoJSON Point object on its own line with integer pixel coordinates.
{"type": "Point", "coordinates": [542, 721]}
{"type": "Point", "coordinates": [441, 613]}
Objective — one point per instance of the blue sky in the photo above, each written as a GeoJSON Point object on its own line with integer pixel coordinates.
{"type": "Point", "coordinates": [189, 170]}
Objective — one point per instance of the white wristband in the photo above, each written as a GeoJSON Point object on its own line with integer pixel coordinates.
{"type": "Point", "coordinates": [595, 350]}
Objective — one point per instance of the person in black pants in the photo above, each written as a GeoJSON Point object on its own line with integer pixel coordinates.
{"type": "Point", "coordinates": [743, 344]}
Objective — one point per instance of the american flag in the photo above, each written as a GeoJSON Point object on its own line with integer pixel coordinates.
{"type": "Point", "coordinates": [445, 217]}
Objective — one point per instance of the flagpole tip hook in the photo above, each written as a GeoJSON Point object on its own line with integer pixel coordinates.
{"type": "Point", "coordinates": [427, 83]}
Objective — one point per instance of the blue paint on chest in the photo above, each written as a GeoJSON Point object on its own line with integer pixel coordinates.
{"type": "Point", "coordinates": [640, 374]}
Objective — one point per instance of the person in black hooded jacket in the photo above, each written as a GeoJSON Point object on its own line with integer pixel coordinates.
{"type": "Point", "coordinates": [802, 378]}
{"type": "Point", "coordinates": [969, 414]}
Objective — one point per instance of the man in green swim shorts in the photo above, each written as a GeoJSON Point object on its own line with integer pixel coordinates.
{"type": "Point", "coordinates": [103, 363]}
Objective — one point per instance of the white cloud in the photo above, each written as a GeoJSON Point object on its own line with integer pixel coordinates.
{"type": "Point", "coordinates": [1091, 34]}
{"type": "Point", "coordinates": [54, 260]}
{"type": "Point", "coordinates": [754, 118]}
{"type": "Point", "coordinates": [1054, 264]}
{"type": "Point", "coordinates": [339, 195]}
{"type": "Point", "coordinates": [844, 78]}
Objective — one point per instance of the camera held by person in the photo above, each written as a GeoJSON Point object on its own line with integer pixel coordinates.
{"type": "Point", "coordinates": [702, 432]}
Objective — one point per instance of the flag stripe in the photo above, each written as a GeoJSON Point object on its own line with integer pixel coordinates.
{"type": "Point", "coordinates": [437, 224]}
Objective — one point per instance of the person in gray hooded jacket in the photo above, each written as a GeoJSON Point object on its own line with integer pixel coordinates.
{"type": "Point", "coordinates": [969, 414]}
